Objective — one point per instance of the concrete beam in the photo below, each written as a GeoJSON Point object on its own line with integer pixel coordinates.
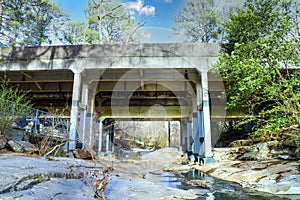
{"type": "Point", "coordinates": [147, 112]}
{"type": "Point", "coordinates": [80, 57]}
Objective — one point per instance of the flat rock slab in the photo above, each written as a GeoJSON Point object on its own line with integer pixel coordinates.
{"type": "Point", "coordinates": [23, 177]}
{"type": "Point", "coordinates": [142, 189]}
{"type": "Point", "coordinates": [273, 176]}
{"type": "Point", "coordinates": [35, 178]}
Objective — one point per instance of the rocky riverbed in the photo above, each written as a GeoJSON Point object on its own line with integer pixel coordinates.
{"type": "Point", "coordinates": [26, 177]}
{"type": "Point", "coordinates": [33, 177]}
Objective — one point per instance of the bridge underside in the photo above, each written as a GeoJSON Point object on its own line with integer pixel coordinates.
{"type": "Point", "coordinates": [144, 92]}
{"type": "Point", "coordinates": [125, 95]}
{"type": "Point", "coordinates": [150, 82]}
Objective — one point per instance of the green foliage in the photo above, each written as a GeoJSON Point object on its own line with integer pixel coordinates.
{"type": "Point", "coordinates": [13, 104]}
{"type": "Point", "coordinates": [27, 22]}
{"type": "Point", "coordinates": [198, 21]}
{"type": "Point", "coordinates": [260, 72]}
{"type": "Point", "coordinates": [78, 33]}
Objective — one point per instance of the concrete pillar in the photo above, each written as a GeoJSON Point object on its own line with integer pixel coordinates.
{"type": "Point", "coordinates": [206, 116]}
{"type": "Point", "coordinates": [107, 131]}
{"type": "Point", "coordinates": [87, 122]}
{"type": "Point", "coordinates": [75, 111]}
{"type": "Point", "coordinates": [100, 135]}
{"type": "Point", "coordinates": [112, 137]}
{"type": "Point", "coordinates": [91, 114]}
{"type": "Point", "coordinates": [83, 113]}
{"type": "Point", "coordinates": [189, 138]}
{"type": "Point", "coordinates": [201, 134]}
{"type": "Point", "coordinates": [196, 143]}
{"type": "Point", "coordinates": [169, 133]}
{"type": "Point", "coordinates": [200, 141]}
{"type": "Point", "coordinates": [183, 132]}
{"type": "Point", "coordinates": [93, 121]}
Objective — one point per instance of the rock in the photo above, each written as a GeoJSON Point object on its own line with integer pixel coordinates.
{"type": "Point", "coordinates": [140, 189]}
{"type": "Point", "coordinates": [271, 176]}
{"type": "Point", "coordinates": [285, 154]}
{"type": "Point", "coordinates": [221, 154]}
{"type": "Point", "coordinates": [181, 168]}
{"type": "Point", "coordinates": [258, 151]}
{"type": "Point", "coordinates": [184, 160]}
{"type": "Point", "coordinates": [241, 143]}
{"type": "Point", "coordinates": [22, 147]}
{"type": "Point", "coordinates": [84, 154]}
{"type": "Point", "coordinates": [15, 146]}
{"type": "Point", "coordinates": [199, 183]}
{"type": "Point", "coordinates": [3, 142]}
{"type": "Point", "coordinates": [28, 147]}
{"type": "Point", "coordinates": [159, 159]}
{"type": "Point", "coordinates": [30, 178]}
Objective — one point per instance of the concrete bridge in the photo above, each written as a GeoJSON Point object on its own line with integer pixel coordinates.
{"type": "Point", "coordinates": [123, 82]}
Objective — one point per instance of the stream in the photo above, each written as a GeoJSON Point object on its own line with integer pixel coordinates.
{"type": "Point", "coordinates": [219, 189]}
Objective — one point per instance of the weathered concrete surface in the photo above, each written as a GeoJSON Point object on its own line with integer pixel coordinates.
{"type": "Point", "coordinates": [79, 57]}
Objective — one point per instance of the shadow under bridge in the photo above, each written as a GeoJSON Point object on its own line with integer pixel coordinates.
{"type": "Point", "coordinates": [149, 103]}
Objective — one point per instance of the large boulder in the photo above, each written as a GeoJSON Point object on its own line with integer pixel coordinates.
{"type": "Point", "coordinates": [260, 151]}
{"type": "Point", "coordinates": [22, 147]}
{"type": "Point", "coordinates": [84, 154]}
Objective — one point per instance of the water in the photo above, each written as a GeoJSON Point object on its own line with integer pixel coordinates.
{"type": "Point", "coordinates": [218, 190]}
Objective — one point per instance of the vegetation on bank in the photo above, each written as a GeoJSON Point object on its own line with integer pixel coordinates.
{"type": "Point", "coordinates": [259, 69]}
{"type": "Point", "coordinates": [13, 104]}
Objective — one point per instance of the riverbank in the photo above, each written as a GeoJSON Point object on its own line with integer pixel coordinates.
{"type": "Point", "coordinates": [33, 177]}
{"type": "Point", "coordinates": [274, 176]}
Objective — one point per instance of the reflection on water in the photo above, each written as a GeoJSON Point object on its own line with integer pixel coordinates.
{"type": "Point", "coordinates": [219, 189]}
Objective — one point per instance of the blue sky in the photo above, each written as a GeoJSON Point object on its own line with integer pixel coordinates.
{"type": "Point", "coordinates": [164, 10]}
{"type": "Point", "coordinates": [158, 13]}
{"type": "Point", "coordinates": [159, 22]}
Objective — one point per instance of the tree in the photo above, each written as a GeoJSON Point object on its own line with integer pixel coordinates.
{"type": "Point", "coordinates": [198, 21]}
{"type": "Point", "coordinates": [27, 22]}
{"type": "Point", "coordinates": [13, 104]}
{"type": "Point", "coordinates": [259, 71]}
{"type": "Point", "coordinates": [78, 33]}
{"type": "Point", "coordinates": [108, 22]}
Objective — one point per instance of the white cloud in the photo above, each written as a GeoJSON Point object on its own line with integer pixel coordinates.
{"type": "Point", "coordinates": [139, 7]}
{"type": "Point", "coordinates": [168, 1]}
